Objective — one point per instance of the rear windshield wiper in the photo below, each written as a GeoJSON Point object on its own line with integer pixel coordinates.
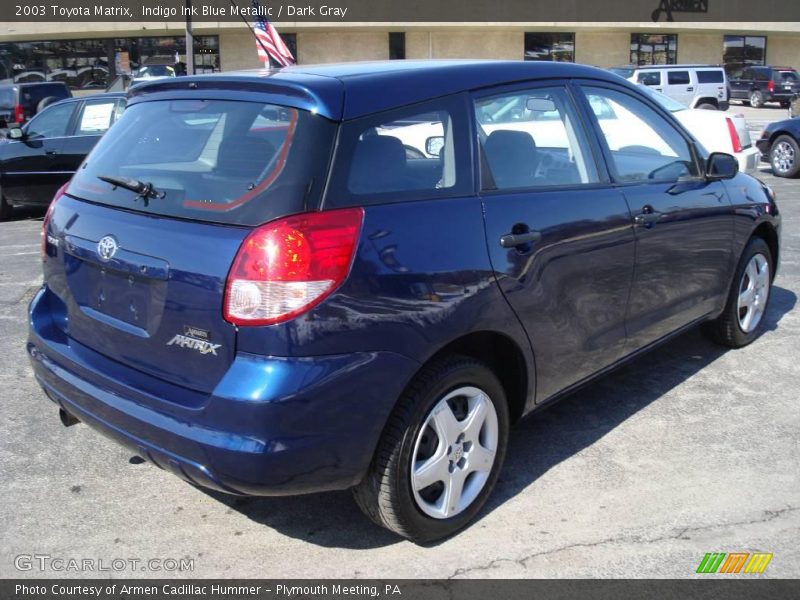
{"type": "Point", "coordinates": [143, 190]}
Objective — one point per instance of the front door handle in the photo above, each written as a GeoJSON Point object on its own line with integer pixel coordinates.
{"type": "Point", "coordinates": [689, 89]}
{"type": "Point", "coordinates": [647, 218]}
{"type": "Point", "coordinates": [514, 240]}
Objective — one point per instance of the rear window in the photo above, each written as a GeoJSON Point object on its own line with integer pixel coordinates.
{"type": "Point", "coordinates": [213, 160]}
{"type": "Point", "coordinates": [786, 77]}
{"type": "Point", "coordinates": [710, 77]}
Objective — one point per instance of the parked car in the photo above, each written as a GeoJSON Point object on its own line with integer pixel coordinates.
{"type": "Point", "coordinates": [779, 144]}
{"type": "Point", "coordinates": [694, 86]}
{"type": "Point", "coordinates": [250, 286]}
{"type": "Point", "coordinates": [717, 132]}
{"type": "Point", "coordinates": [21, 101]}
{"type": "Point", "coordinates": [40, 157]}
{"type": "Point", "coordinates": [758, 85]}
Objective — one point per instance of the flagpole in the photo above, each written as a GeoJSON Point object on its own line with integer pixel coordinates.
{"type": "Point", "coordinates": [260, 43]}
{"type": "Point", "coordinates": [189, 40]}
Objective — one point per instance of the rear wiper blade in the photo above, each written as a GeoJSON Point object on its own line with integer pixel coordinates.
{"type": "Point", "coordinates": [143, 190]}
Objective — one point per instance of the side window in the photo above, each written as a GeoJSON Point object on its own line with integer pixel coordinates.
{"type": "Point", "coordinates": [416, 152]}
{"type": "Point", "coordinates": [678, 78]}
{"type": "Point", "coordinates": [710, 76]}
{"type": "Point", "coordinates": [51, 122]}
{"type": "Point", "coordinates": [649, 78]}
{"type": "Point", "coordinates": [644, 146]}
{"type": "Point", "coordinates": [532, 138]}
{"type": "Point", "coordinates": [748, 74]}
{"type": "Point", "coordinates": [96, 117]}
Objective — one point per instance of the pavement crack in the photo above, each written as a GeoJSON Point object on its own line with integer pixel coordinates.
{"type": "Point", "coordinates": [768, 515]}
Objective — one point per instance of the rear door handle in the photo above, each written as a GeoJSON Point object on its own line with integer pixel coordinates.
{"type": "Point", "coordinates": [647, 218]}
{"type": "Point", "coordinates": [513, 240]}
{"type": "Point", "coordinates": [50, 152]}
{"type": "Point", "coordinates": [689, 89]}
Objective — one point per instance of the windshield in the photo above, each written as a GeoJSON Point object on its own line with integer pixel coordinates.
{"type": "Point", "coordinates": [211, 160]}
{"type": "Point", "coordinates": [153, 71]}
{"type": "Point", "coordinates": [665, 101]}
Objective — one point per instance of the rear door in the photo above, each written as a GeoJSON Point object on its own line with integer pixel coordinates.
{"type": "Point", "coordinates": [33, 168]}
{"type": "Point", "coordinates": [739, 82]}
{"type": "Point", "coordinates": [680, 86]}
{"type": "Point", "coordinates": [683, 224]}
{"type": "Point", "coordinates": [559, 236]}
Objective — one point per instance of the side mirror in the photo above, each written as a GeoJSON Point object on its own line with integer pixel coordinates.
{"type": "Point", "coordinates": [434, 145]}
{"type": "Point", "coordinates": [721, 166]}
{"type": "Point", "coordinates": [15, 133]}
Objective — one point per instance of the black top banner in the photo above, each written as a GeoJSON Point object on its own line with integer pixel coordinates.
{"type": "Point", "coordinates": [404, 11]}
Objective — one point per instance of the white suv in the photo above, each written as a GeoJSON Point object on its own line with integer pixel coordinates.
{"type": "Point", "coordinates": [694, 86]}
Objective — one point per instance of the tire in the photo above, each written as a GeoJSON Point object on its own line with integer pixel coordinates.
{"type": "Point", "coordinates": [412, 434]}
{"type": "Point", "coordinates": [5, 208]}
{"type": "Point", "coordinates": [731, 328]}
{"type": "Point", "coordinates": [45, 102]}
{"type": "Point", "coordinates": [785, 104]}
{"type": "Point", "coordinates": [707, 106]}
{"type": "Point", "coordinates": [784, 156]}
{"type": "Point", "coordinates": [756, 99]}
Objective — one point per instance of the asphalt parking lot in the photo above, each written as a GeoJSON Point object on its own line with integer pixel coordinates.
{"type": "Point", "coordinates": [691, 449]}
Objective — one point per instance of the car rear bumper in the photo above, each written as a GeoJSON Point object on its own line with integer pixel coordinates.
{"type": "Point", "coordinates": [749, 159]}
{"type": "Point", "coordinates": [272, 426]}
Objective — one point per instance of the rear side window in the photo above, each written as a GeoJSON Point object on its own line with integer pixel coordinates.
{"type": "Point", "coordinates": [649, 78]}
{"type": "Point", "coordinates": [7, 98]}
{"type": "Point", "coordinates": [413, 153]}
{"type": "Point", "coordinates": [710, 77]}
{"type": "Point", "coordinates": [96, 117]}
{"type": "Point", "coordinates": [213, 160]}
{"type": "Point", "coordinates": [678, 78]}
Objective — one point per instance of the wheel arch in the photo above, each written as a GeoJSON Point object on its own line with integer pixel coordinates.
{"type": "Point", "coordinates": [503, 356]}
{"type": "Point", "coordinates": [705, 100]}
{"type": "Point", "coordinates": [767, 232]}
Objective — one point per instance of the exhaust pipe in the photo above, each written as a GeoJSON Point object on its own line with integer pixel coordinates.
{"type": "Point", "coordinates": [67, 420]}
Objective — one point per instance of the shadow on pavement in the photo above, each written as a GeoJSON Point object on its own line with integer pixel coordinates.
{"type": "Point", "coordinates": [537, 444]}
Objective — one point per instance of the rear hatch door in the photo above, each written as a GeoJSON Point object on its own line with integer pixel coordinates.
{"type": "Point", "coordinates": [142, 273]}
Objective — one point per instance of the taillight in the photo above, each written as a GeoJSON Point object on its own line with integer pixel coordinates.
{"type": "Point", "coordinates": [48, 214]}
{"type": "Point", "coordinates": [287, 267]}
{"type": "Point", "coordinates": [735, 141]}
{"type": "Point", "coordinates": [19, 114]}
{"type": "Point", "coordinates": [771, 86]}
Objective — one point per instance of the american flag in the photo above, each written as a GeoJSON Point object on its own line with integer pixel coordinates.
{"type": "Point", "coordinates": [268, 41]}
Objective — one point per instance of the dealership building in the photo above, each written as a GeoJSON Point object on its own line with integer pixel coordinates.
{"type": "Point", "coordinates": [86, 55]}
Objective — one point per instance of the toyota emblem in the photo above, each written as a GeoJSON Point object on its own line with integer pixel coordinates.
{"type": "Point", "coordinates": [107, 247]}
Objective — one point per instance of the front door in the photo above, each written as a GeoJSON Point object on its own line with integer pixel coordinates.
{"type": "Point", "coordinates": [559, 236]}
{"type": "Point", "coordinates": [683, 224]}
{"type": "Point", "coordinates": [33, 168]}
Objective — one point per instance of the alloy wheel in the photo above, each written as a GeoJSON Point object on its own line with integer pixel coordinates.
{"type": "Point", "coordinates": [783, 157]}
{"type": "Point", "coordinates": [454, 452]}
{"type": "Point", "coordinates": [753, 292]}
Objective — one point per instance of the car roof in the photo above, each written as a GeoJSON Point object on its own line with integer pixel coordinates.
{"type": "Point", "coordinates": [350, 90]}
{"type": "Point", "coordinates": [89, 97]}
{"type": "Point", "coordinates": [649, 67]}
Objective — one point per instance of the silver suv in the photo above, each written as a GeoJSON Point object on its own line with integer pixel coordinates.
{"type": "Point", "coordinates": [695, 86]}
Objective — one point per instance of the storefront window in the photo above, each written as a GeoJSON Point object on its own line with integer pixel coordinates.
{"type": "Point", "coordinates": [654, 49]}
{"type": "Point", "coordinates": [558, 47]}
{"type": "Point", "coordinates": [92, 64]}
{"type": "Point", "coordinates": [744, 50]}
